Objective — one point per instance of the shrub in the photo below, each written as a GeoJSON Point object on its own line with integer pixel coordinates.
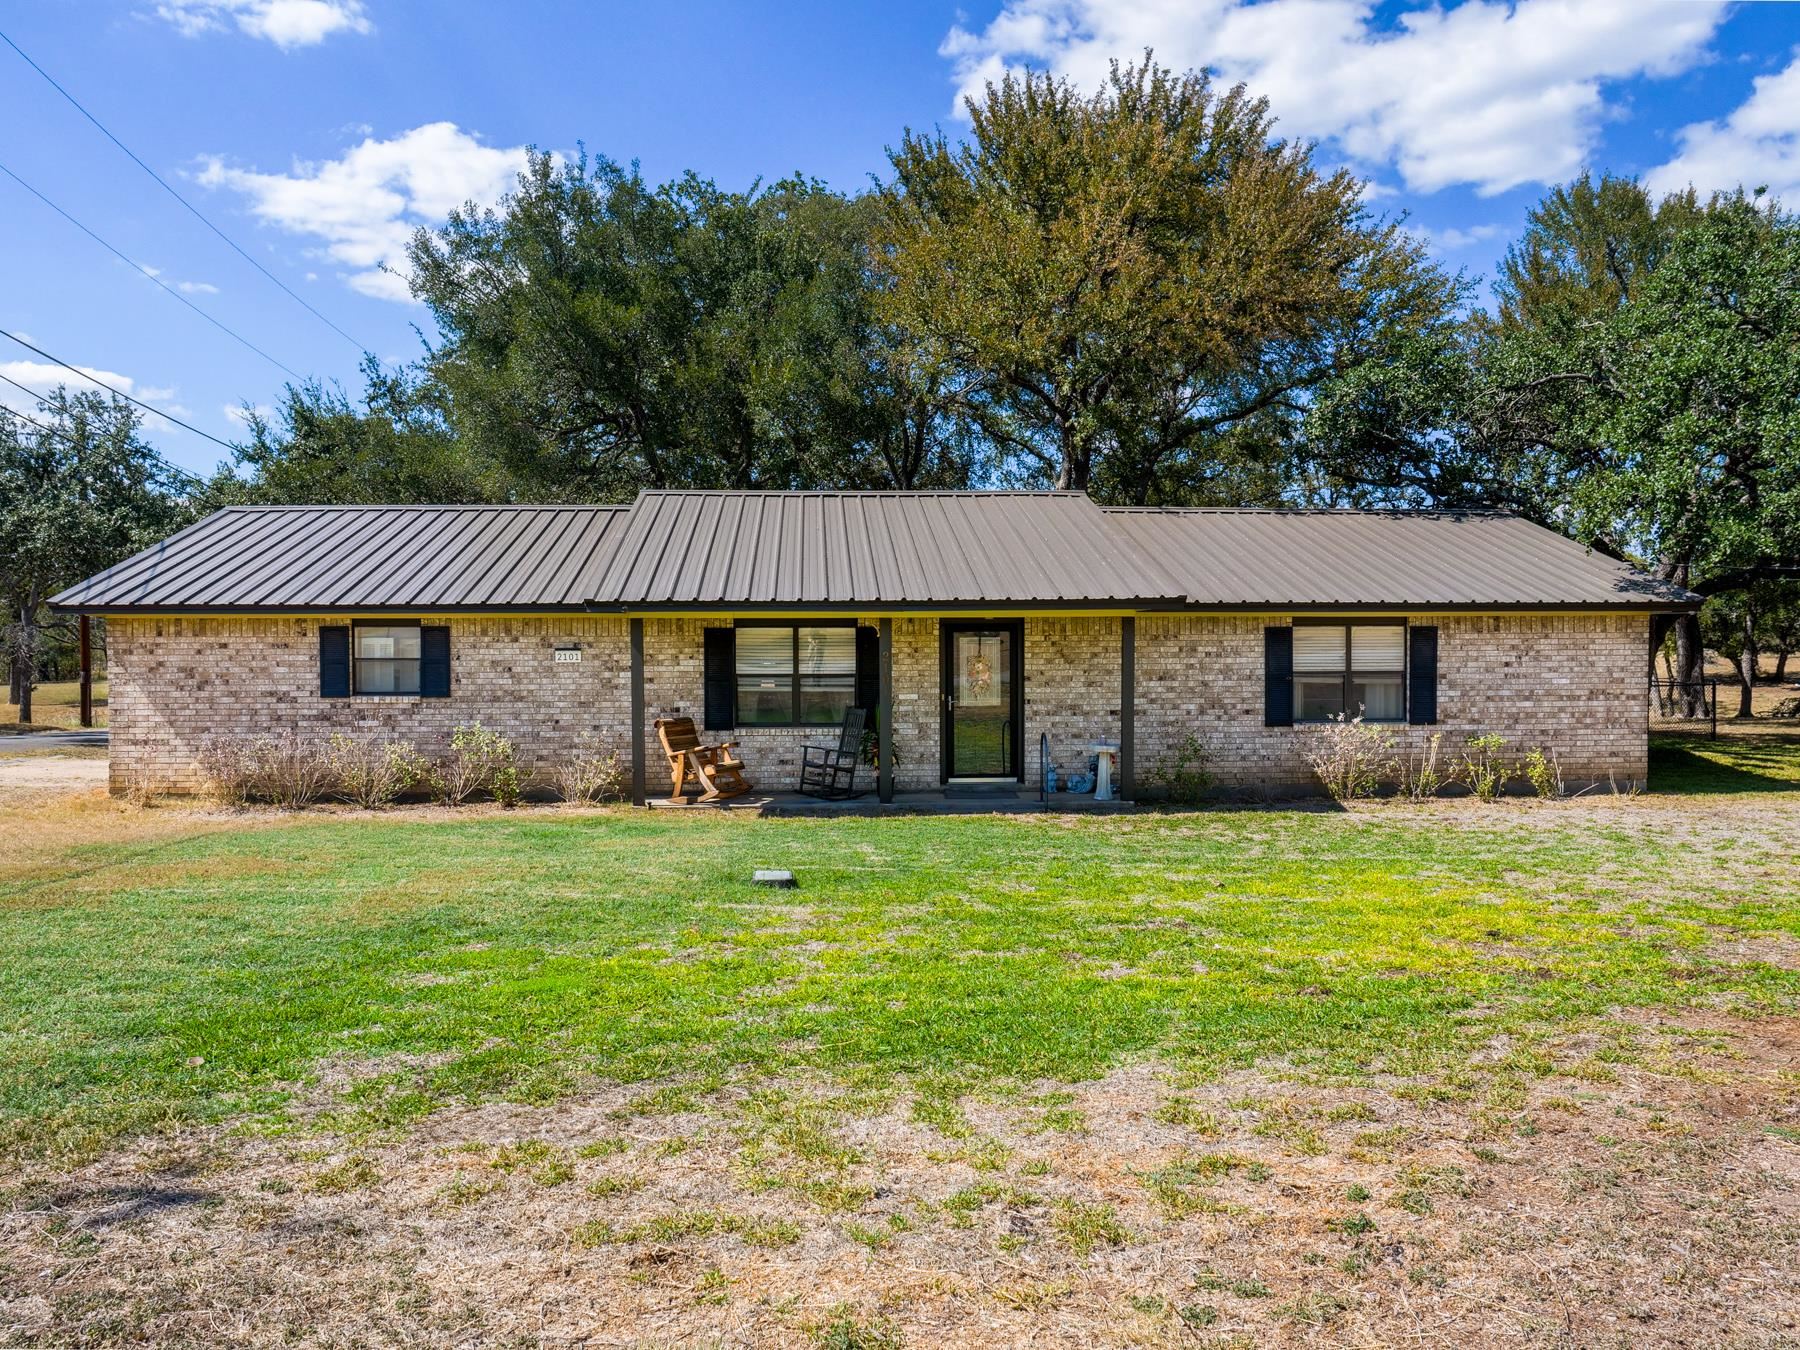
{"type": "Point", "coordinates": [1482, 769]}
{"type": "Point", "coordinates": [479, 761]}
{"type": "Point", "coordinates": [139, 790]}
{"type": "Point", "coordinates": [374, 773]}
{"type": "Point", "coordinates": [230, 768]}
{"type": "Point", "coordinates": [1544, 771]}
{"type": "Point", "coordinates": [1183, 775]}
{"type": "Point", "coordinates": [590, 775]}
{"type": "Point", "coordinates": [288, 770]}
{"type": "Point", "coordinates": [1420, 775]}
{"type": "Point", "coordinates": [1351, 758]}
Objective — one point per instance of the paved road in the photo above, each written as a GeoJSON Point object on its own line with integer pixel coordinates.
{"type": "Point", "coordinates": [53, 740]}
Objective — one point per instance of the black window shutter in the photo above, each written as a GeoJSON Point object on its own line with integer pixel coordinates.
{"type": "Point", "coordinates": [334, 662]}
{"type": "Point", "coordinates": [1278, 677]}
{"type": "Point", "coordinates": [434, 661]}
{"type": "Point", "coordinates": [721, 678]}
{"type": "Point", "coordinates": [868, 670]}
{"type": "Point", "coordinates": [1421, 674]}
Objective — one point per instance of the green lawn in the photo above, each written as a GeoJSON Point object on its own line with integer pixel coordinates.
{"type": "Point", "coordinates": [201, 973]}
{"type": "Point", "coordinates": [1737, 762]}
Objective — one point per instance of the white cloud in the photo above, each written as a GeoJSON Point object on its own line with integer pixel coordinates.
{"type": "Point", "coordinates": [236, 412]}
{"type": "Point", "coordinates": [186, 287]}
{"type": "Point", "coordinates": [286, 23]}
{"type": "Point", "coordinates": [1758, 145]}
{"type": "Point", "coordinates": [1455, 236]}
{"type": "Point", "coordinates": [42, 376]}
{"type": "Point", "coordinates": [1487, 93]}
{"type": "Point", "coordinates": [365, 205]}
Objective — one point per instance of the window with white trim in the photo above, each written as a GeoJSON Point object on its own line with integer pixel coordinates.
{"type": "Point", "coordinates": [1358, 669]}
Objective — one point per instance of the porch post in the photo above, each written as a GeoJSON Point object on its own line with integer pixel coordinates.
{"type": "Point", "coordinates": [884, 713]}
{"type": "Point", "coordinates": [637, 712]}
{"type": "Point", "coordinates": [87, 674]}
{"type": "Point", "coordinates": [1128, 707]}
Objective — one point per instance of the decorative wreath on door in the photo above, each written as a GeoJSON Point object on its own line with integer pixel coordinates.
{"type": "Point", "coordinates": [981, 674]}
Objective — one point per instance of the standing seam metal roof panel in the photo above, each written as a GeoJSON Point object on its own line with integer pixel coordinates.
{"type": "Point", "coordinates": [839, 548]}
{"type": "Point", "coordinates": [364, 557]}
{"type": "Point", "coordinates": [803, 550]}
{"type": "Point", "coordinates": [1370, 558]}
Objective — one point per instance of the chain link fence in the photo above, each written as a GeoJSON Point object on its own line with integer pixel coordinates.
{"type": "Point", "coordinates": [1684, 705]}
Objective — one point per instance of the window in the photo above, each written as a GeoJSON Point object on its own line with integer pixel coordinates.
{"type": "Point", "coordinates": [1358, 668]}
{"type": "Point", "coordinates": [387, 658]}
{"type": "Point", "coordinates": [795, 676]}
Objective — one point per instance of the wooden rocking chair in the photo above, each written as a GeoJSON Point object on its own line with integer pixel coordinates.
{"type": "Point", "coordinates": [714, 770]}
{"type": "Point", "coordinates": [829, 771]}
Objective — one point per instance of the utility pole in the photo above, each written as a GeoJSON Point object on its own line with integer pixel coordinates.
{"type": "Point", "coordinates": [87, 675]}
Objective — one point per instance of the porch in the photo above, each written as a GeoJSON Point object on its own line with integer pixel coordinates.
{"type": "Point", "coordinates": [958, 702]}
{"type": "Point", "coordinates": [944, 802]}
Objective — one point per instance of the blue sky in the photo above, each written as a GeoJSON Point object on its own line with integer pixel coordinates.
{"type": "Point", "coordinates": [317, 132]}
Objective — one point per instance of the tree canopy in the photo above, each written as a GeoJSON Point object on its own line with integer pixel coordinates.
{"type": "Point", "coordinates": [600, 335]}
{"type": "Point", "coordinates": [1144, 282]}
{"type": "Point", "coordinates": [75, 497]}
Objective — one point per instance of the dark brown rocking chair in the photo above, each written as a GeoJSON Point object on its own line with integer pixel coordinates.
{"type": "Point", "coordinates": [829, 771]}
{"type": "Point", "coordinates": [713, 768]}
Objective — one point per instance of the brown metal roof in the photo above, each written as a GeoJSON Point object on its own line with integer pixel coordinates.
{"type": "Point", "coordinates": [1460, 559]}
{"type": "Point", "coordinates": [696, 549]}
{"type": "Point", "coordinates": [821, 550]}
{"type": "Point", "coordinates": [365, 557]}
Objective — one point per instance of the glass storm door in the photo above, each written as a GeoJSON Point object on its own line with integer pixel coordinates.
{"type": "Point", "coordinates": [981, 701]}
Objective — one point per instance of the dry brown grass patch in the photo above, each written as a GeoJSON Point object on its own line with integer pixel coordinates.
{"type": "Point", "coordinates": [1660, 1212]}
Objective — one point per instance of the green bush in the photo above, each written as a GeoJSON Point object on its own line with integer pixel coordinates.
{"type": "Point", "coordinates": [374, 773]}
{"type": "Point", "coordinates": [1183, 774]}
{"type": "Point", "coordinates": [479, 761]}
{"type": "Point", "coordinates": [1483, 770]}
{"type": "Point", "coordinates": [1544, 771]}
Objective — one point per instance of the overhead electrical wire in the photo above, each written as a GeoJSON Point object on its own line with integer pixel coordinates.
{"type": "Point", "coordinates": [139, 267]}
{"type": "Point", "coordinates": [167, 417]}
{"type": "Point", "coordinates": [194, 210]}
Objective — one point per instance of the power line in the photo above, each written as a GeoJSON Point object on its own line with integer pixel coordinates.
{"type": "Point", "coordinates": [157, 459]}
{"type": "Point", "coordinates": [167, 417]}
{"type": "Point", "coordinates": [163, 183]}
{"type": "Point", "coordinates": [138, 267]}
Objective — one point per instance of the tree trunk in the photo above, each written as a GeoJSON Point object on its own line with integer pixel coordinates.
{"type": "Point", "coordinates": [1747, 666]}
{"type": "Point", "coordinates": [1781, 656]}
{"type": "Point", "coordinates": [24, 657]}
{"type": "Point", "coordinates": [1076, 455]}
{"type": "Point", "coordinates": [1689, 656]}
{"type": "Point", "coordinates": [1690, 652]}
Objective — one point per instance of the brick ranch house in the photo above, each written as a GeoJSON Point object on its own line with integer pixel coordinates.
{"type": "Point", "coordinates": [969, 623]}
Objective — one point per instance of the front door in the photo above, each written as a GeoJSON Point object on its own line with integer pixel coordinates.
{"type": "Point", "coordinates": [983, 699]}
